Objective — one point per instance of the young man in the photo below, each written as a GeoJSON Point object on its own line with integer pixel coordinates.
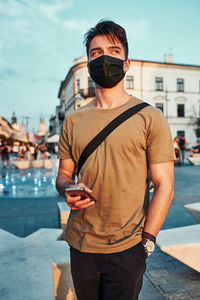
{"type": "Point", "coordinates": [111, 238]}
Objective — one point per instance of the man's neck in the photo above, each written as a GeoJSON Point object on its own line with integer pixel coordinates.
{"type": "Point", "coordinates": [111, 98]}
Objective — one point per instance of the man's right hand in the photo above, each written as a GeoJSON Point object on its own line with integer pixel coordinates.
{"type": "Point", "coordinates": [65, 178]}
{"type": "Point", "coordinates": [75, 202]}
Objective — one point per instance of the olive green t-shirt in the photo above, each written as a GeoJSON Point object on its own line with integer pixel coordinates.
{"type": "Point", "coordinates": [116, 172]}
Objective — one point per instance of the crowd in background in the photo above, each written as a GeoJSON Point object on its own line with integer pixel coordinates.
{"type": "Point", "coordinates": [25, 151]}
{"type": "Point", "coordinates": [180, 147]}
{"type": "Point", "coordinates": [29, 151]}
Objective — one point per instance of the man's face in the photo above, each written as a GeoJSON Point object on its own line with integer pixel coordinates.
{"type": "Point", "coordinates": [101, 45]}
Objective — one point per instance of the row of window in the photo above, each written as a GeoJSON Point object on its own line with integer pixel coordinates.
{"type": "Point", "coordinates": [180, 109]}
{"type": "Point", "coordinates": [158, 83]}
{"type": "Point", "coordinates": [130, 83]}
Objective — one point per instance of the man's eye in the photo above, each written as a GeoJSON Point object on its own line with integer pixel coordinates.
{"type": "Point", "coordinates": [115, 51]}
{"type": "Point", "coordinates": [95, 53]}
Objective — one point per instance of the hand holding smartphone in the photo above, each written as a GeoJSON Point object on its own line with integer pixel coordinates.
{"type": "Point", "coordinates": [79, 191]}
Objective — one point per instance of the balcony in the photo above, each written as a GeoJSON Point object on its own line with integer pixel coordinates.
{"type": "Point", "coordinates": [89, 92]}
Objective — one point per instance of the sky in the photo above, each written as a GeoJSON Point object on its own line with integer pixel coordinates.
{"type": "Point", "coordinates": [39, 39]}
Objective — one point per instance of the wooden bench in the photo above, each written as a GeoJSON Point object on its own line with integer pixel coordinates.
{"type": "Point", "coordinates": [182, 243]}
{"type": "Point", "coordinates": [194, 210]}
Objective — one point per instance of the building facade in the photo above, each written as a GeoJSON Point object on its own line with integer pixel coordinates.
{"type": "Point", "coordinates": [174, 88]}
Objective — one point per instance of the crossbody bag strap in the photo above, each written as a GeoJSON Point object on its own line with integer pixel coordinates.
{"type": "Point", "coordinates": [102, 135]}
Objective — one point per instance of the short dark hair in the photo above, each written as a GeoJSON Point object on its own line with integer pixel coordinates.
{"type": "Point", "coordinates": [111, 30]}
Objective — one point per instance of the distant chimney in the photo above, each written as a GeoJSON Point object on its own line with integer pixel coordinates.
{"type": "Point", "coordinates": [168, 58]}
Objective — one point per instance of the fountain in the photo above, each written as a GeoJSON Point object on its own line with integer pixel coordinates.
{"type": "Point", "coordinates": [37, 183]}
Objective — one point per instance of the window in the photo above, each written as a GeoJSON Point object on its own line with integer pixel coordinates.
{"type": "Point", "coordinates": [180, 110]}
{"type": "Point", "coordinates": [180, 85]}
{"type": "Point", "coordinates": [91, 83]}
{"type": "Point", "coordinates": [159, 83]}
{"type": "Point", "coordinates": [160, 106]}
{"type": "Point", "coordinates": [129, 82]}
{"type": "Point", "coordinates": [180, 133]}
{"type": "Point", "coordinates": [78, 85]}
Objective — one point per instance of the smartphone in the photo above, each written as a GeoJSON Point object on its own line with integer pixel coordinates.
{"type": "Point", "coordinates": [79, 191]}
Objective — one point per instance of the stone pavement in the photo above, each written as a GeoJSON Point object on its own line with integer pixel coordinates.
{"type": "Point", "coordinates": [165, 277]}
{"type": "Point", "coordinates": [172, 279]}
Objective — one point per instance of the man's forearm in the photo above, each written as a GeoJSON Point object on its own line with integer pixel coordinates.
{"type": "Point", "coordinates": [62, 182]}
{"type": "Point", "coordinates": [159, 207]}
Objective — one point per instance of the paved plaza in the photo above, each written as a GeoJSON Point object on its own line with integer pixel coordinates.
{"type": "Point", "coordinates": [165, 278]}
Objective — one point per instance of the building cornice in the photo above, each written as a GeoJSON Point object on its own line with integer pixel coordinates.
{"type": "Point", "coordinates": [164, 64]}
{"type": "Point", "coordinates": [143, 63]}
{"type": "Point", "coordinates": [70, 74]}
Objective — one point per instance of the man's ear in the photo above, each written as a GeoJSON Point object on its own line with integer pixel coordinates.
{"type": "Point", "coordinates": [127, 65]}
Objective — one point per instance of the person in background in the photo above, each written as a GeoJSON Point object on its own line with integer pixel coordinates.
{"type": "Point", "coordinates": [5, 153]}
{"type": "Point", "coordinates": [36, 151]}
{"type": "Point", "coordinates": [28, 152]}
{"type": "Point", "coordinates": [183, 145]}
{"type": "Point", "coordinates": [177, 150]}
{"type": "Point", "coordinates": [55, 148]}
{"type": "Point", "coordinates": [43, 149]}
{"type": "Point", "coordinates": [196, 148]}
{"type": "Point", "coordinates": [15, 150]}
{"type": "Point", "coordinates": [22, 152]}
{"type": "Point", "coordinates": [111, 238]}
{"type": "Point", "coordinates": [32, 150]}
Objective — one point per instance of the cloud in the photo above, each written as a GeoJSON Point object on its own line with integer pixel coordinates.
{"type": "Point", "coordinates": [36, 23]}
{"type": "Point", "coordinates": [8, 72]}
{"type": "Point", "coordinates": [1, 45]}
{"type": "Point", "coordinates": [34, 80]}
{"type": "Point", "coordinates": [137, 29]}
{"type": "Point", "coordinates": [53, 79]}
{"type": "Point", "coordinates": [80, 25]}
{"type": "Point", "coordinates": [48, 79]}
{"type": "Point", "coordinates": [52, 11]}
{"type": "Point", "coordinates": [12, 8]}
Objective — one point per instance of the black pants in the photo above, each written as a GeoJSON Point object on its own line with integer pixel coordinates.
{"type": "Point", "coordinates": [116, 276]}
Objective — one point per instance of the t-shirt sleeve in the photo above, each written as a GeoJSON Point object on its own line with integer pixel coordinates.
{"type": "Point", "coordinates": [64, 148]}
{"type": "Point", "coordinates": [159, 140]}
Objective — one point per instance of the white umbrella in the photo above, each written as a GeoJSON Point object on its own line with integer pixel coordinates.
{"type": "Point", "coordinates": [53, 139]}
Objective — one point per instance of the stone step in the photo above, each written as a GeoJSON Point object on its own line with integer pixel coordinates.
{"type": "Point", "coordinates": [182, 243]}
{"type": "Point", "coordinates": [63, 213]}
{"type": "Point", "coordinates": [194, 210]}
{"type": "Point", "coordinates": [63, 285]}
{"type": "Point", "coordinates": [27, 264]}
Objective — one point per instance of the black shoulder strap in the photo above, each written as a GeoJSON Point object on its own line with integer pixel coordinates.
{"type": "Point", "coordinates": [102, 135]}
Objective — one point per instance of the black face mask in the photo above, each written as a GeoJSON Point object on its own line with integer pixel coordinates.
{"type": "Point", "coordinates": [107, 71]}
